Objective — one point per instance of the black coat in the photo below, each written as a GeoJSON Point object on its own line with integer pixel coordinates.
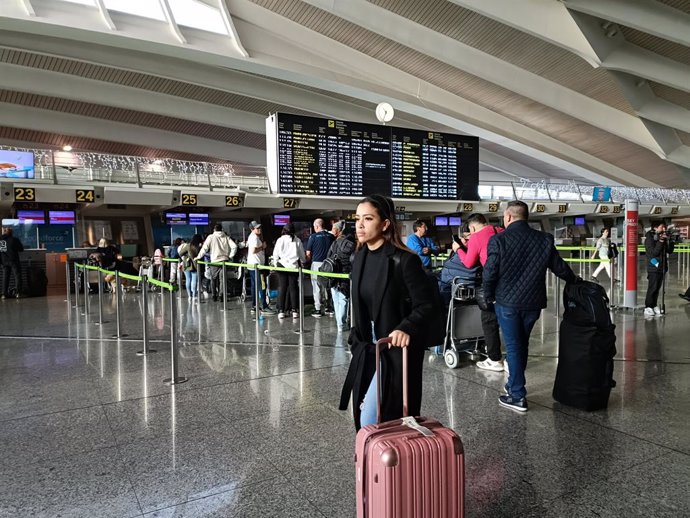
{"type": "Point", "coordinates": [10, 247]}
{"type": "Point", "coordinates": [515, 269]}
{"type": "Point", "coordinates": [655, 248]}
{"type": "Point", "coordinates": [394, 312]}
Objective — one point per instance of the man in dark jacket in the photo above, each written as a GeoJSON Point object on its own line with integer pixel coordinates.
{"type": "Point", "coordinates": [515, 279]}
{"type": "Point", "coordinates": [656, 248]}
{"type": "Point", "coordinates": [10, 247]}
{"type": "Point", "coordinates": [341, 250]}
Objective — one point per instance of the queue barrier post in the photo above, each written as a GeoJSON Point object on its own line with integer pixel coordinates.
{"type": "Point", "coordinates": [197, 289]}
{"type": "Point", "coordinates": [558, 296]}
{"type": "Point", "coordinates": [301, 303]}
{"type": "Point", "coordinates": [145, 317]}
{"type": "Point", "coordinates": [100, 298]}
{"type": "Point", "coordinates": [68, 284]}
{"type": "Point", "coordinates": [175, 378]}
{"type": "Point", "coordinates": [612, 269]}
{"type": "Point", "coordinates": [224, 291]}
{"type": "Point", "coordinates": [76, 286]}
{"type": "Point", "coordinates": [257, 303]}
{"type": "Point", "coordinates": [118, 319]}
{"type": "Point", "coordinates": [180, 286]}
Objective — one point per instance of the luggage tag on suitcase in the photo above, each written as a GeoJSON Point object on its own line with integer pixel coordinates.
{"type": "Point", "coordinates": [412, 423]}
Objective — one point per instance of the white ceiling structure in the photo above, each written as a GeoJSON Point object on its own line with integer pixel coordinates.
{"type": "Point", "coordinates": [595, 91]}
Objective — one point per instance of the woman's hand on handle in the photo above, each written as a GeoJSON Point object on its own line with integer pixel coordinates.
{"type": "Point", "coordinates": [399, 339]}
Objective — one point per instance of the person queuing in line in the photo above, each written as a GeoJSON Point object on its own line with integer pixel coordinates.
{"type": "Point", "coordinates": [421, 244]}
{"type": "Point", "coordinates": [657, 246]}
{"type": "Point", "coordinates": [317, 250]}
{"type": "Point", "coordinates": [288, 253]}
{"type": "Point", "coordinates": [221, 248]}
{"type": "Point", "coordinates": [187, 254]}
{"type": "Point", "coordinates": [391, 297]}
{"type": "Point", "coordinates": [256, 254]}
{"type": "Point", "coordinates": [473, 252]}
{"type": "Point", "coordinates": [601, 249]}
{"type": "Point", "coordinates": [107, 255]}
{"type": "Point", "coordinates": [341, 250]}
{"type": "Point", "coordinates": [515, 279]}
{"type": "Point", "coordinates": [10, 247]}
{"type": "Point", "coordinates": [174, 254]}
{"type": "Point", "coordinates": [453, 268]}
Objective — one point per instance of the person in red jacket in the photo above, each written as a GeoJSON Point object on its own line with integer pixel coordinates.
{"type": "Point", "coordinates": [472, 252]}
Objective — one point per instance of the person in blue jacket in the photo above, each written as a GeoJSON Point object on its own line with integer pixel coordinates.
{"type": "Point", "coordinates": [420, 244]}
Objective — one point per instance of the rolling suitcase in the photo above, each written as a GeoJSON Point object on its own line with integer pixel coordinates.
{"type": "Point", "coordinates": [409, 467]}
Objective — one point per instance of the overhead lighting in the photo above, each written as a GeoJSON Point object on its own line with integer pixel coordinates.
{"type": "Point", "coordinates": [67, 148]}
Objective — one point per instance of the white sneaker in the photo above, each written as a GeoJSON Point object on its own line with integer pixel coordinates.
{"type": "Point", "coordinates": [648, 312]}
{"type": "Point", "coordinates": [491, 365]}
{"type": "Point", "coordinates": [281, 315]}
{"type": "Point", "coordinates": [657, 311]}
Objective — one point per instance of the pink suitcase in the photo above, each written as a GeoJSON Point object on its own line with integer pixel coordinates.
{"type": "Point", "coordinates": [410, 467]}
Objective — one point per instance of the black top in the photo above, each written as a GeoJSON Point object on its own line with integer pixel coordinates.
{"type": "Point", "coordinates": [516, 264]}
{"type": "Point", "coordinates": [371, 276]}
{"type": "Point", "coordinates": [655, 248]}
{"type": "Point", "coordinates": [10, 247]}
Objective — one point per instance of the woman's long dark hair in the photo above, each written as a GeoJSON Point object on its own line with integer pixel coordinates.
{"type": "Point", "coordinates": [289, 230]}
{"type": "Point", "coordinates": [386, 210]}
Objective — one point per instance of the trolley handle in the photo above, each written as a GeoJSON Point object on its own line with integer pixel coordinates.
{"type": "Point", "coordinates": [379, 345]}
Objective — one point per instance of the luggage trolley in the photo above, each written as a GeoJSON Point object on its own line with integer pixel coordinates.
{"type": "Point", "coordinates": [464, 332]}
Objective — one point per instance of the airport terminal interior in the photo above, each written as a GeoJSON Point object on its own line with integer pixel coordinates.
{"type": "Point", "coordinates": [139, 125]}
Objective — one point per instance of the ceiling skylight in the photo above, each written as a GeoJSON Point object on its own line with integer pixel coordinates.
{"type": "Point", "coordinates": [145, 8]}
{"type": "Point", "coordinates": [191, 13]}
{"type": "Point", "coordinates": [92, 3]}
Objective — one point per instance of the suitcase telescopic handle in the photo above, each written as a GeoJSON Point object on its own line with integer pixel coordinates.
{"type": "Point", "coordinates": [379, 345]}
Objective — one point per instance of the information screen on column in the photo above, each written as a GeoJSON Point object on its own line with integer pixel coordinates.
{"type": "Point", "coordinates": [327, 157]}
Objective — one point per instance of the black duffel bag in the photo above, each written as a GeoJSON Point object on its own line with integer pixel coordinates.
{"type": "Point", "coordinates": [586, 304]}
{"type": "Point", "coordinates": [584, 377]}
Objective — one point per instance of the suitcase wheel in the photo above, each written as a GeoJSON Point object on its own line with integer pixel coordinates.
{"type": "Point", "coordinates": [452, 359]}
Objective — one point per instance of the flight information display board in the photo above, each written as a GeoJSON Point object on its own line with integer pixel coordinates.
{"type": "Point", "coordinates": [328, 157]}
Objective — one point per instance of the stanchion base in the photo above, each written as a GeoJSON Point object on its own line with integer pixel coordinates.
{"type": "Point", "coordinates": [144, 353]}
{"type": "Point", "coordinates": [176, 381]}
{"type": "Point", "coordinates": [120, 336]}
{"type": "Point", "coordinates": [100, 323]}
{"type": "Point", "coordinates": [297, 331]}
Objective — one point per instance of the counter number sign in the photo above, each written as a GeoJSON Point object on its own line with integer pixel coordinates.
{"type": "Point", "coordinates": [562, 209]}
{"type": "Point", "coordinates": [616, 209]}
{"type": "Point", "coordinates": [290, 203]}
{"type": "Point", "coordinates": [24, 194]}
{"type": "Point", "coordinates": [85, 195]}
{"type": "Point", "coordinates": [493, 207]}
{"type": "Point", "coordinates": [189, 200]}
{"type": "Point", "coordinates": [233, 201]}
{"type": "Point", "coordinates": [467, 207]}
{"type": "Point", "coordinates": [540, 208]}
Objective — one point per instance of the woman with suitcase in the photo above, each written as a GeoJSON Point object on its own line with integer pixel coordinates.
{"type": "Point", "coordinates": [391, 297]}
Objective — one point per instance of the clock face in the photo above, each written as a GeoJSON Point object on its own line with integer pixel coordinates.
{"type": "Point", "coordinates": [384, 112]}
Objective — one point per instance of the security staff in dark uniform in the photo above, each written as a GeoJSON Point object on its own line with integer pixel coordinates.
{"type": "Point", "coordinates": [10, 247]}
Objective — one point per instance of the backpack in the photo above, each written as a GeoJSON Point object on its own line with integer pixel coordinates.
{"type": "Point", "coordinates": [435, 329]}
{"type": "Point", "coordinates": [330, 265]}
{"type": "Point", "coordinates": [586, 304]}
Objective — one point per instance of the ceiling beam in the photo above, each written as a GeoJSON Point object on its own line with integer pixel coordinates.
{"type": "Point", "coordinates": [543, 19]}
{"type": "Point", "coordinates": [647, 105]}
{"type": "Point", "coordinates": [170, 18]}
{"type": "Point", "coordinates": [616, 53]}
{"type": "Point", "coordinates": [105, 14]}
{"type": "Point", "coordinates": [66, 86]}
{"type": "Point", "coordinates": [654, 18]}
{"type": "Point", "coordinates": [489, 68]}
{"type": "Point", "coordinates": [230, 27]}
{"type": "Point", "coordinates": [28, 7]}
{"type": "Point", "coordinates": [16, 116]}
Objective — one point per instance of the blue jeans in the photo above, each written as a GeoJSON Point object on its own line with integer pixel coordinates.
{"type": "Point", "coordinates": [340, 303]}
{"type": "Point", "coordinates": [516, 325]}
{"type": "Point", "coordinates": [255, 275]}
{"type": "Point", "coordinates": [368, 409]}
{"type": "Point", "coordinates": [191, 282]}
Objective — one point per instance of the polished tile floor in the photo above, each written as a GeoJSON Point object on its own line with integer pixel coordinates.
{"type": "Point", "coordinates": [88, 429]}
